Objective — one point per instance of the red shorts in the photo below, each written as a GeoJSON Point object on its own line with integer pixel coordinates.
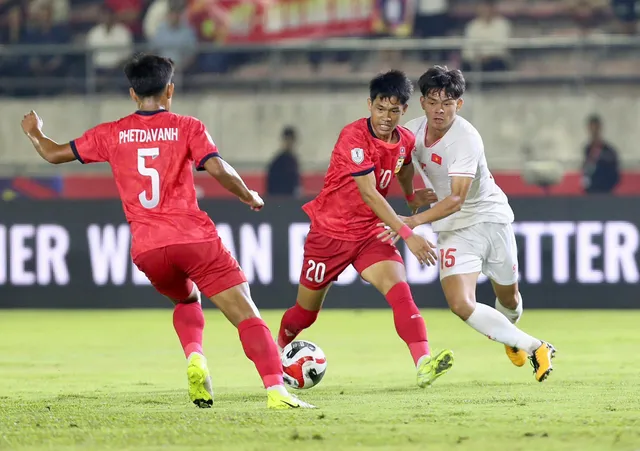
{"type": "Point", "coordinates": [173, 269]}
{"type": "Point", "coordinates": [325, 258]}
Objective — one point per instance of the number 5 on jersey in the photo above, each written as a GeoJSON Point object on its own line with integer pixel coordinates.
{"type": "Point", "coordinates": [147, 202]}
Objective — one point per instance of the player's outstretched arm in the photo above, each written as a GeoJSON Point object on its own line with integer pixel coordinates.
{"type": "Point", "coordinates": [416, 199]}
{"type": "Point", "coordinates": [420, 247]}
{"type": "Point", "coordinates": [48, 149]}
{"type": "Point", "coordinates": [405, 178]}
{"type": "Point", "coordinates": [229, 178]}
{"type": "Point", "coordinates": [375, 201]}
{"type": "Point", "coordinates": [447, 206]}
{"type": "Point", "coordinates": [465, 154]}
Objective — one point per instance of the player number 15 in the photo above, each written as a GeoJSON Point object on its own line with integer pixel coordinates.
{"type": "Point", "coordinates": [447, 258]}
{"type": "Point", "coordinates": [147, 202]}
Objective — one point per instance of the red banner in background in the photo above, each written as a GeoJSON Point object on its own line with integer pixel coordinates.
{"type": "Point", "coordinates": [103, 187]}
{"type": "Point", "coordinates": [243, 21]}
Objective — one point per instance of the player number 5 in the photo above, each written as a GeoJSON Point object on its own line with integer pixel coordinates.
{"type": "Point", "coordinates": [151, 173]}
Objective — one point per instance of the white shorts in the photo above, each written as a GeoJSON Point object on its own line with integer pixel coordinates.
{"type": "Point", "coordinates": [487, 247]}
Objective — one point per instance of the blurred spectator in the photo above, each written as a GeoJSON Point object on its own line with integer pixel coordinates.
{"type": "Point", "coordinates": [212, 25]}
{"type": "Point", "coordinates": [41, 31]}
{"type": "Point", "coordinates": [600, 169]}
{"type": "Point", "coordinates": [283, 176]}
{"type": "Point", "coordinates": [128, 12]}
{"type": "Point", "coordinates": [395, 18]}
{"type": "Point", "coordinates": [432, 18]}
{"type": "Point", "coordinates": [13, 17]}
{"type": "Point", "coordinates": [432, 21]}
{"type": "Point", "coordinates": [156, 12]}
{"type": "Point", "coordinates": [626, 11]}
{"type": "Point", "coordinates": [175, 38]}
{"type": "Point", "coordinates": [109, 33]}
{"type": "Point", "coordinates": [587, 14]}
{"type": "Point", "coordinates": [486, 36]}
{"type": "Point", "coordinates": [60, 9]}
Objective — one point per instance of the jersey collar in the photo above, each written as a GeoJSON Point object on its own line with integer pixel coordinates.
{"type": "Point", "coordinates": [446, 139]}
{"type": "Point", "coordinates": [149, 113]}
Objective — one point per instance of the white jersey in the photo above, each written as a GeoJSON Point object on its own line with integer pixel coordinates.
{"type": "Point", "coordinates": [460, 153]}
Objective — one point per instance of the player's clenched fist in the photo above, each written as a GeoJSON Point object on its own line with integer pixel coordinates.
{"type": "Point", "coordinates": [31, 123]}
{"type": "Point", "coordinates": [424, 250]}
{"type": "Point", "coordinates": [255, 201]}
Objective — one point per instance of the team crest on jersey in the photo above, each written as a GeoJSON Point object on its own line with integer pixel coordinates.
{"type": "Point", "coordinates": [357, 155]}
{"type": "Point", "coordinates": [437, 159]}
{"type": "Point", "coordinates": [399, 164]}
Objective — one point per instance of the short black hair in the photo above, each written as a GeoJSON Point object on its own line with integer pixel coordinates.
{"type": "Point", "coordinates": [440, 77]}
{"type": "Point", "coordinates": [393, 83]}
{"type": "Point", "coordinates": [289, 132]}
{"type": "Point", "coordinates": [149, 75]}
{"type": "Point", "coordinates": [594, 119]}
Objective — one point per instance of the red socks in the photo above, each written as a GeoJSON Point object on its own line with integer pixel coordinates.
{"type": "Point", "coordinates": [409, 323]}
{"type": "Point", "coordinates": [260, 348]}
{"type": "Point", "coordinates": [294, 321]}
{"type": "Point", "coordinates": [256, 339]}
{"type": "Point", "coordinates": [188, 320]}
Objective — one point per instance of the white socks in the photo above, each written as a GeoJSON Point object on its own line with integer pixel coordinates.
{"type": "Point", "coordinates": [422, 359]}
{"type": "Point", "coordinates": [280, 389]}
{"type": "Point", "coordinates": [512, 315]}
{"type": "Point", "coordinates": [196, 290]}
{"type": "Point", "coordinates": [490, 322]}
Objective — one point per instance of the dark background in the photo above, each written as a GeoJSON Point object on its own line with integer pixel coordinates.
{"type": "Point", "coordinates": [82, 291]}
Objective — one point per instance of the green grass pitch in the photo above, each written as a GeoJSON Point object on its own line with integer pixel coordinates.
{"type": "Point", "coordinates": [116, 380]}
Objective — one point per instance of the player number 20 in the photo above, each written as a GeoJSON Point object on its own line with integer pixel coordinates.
{"type": "Point", "coordinates": [147, 202]}
{"type": "Point", "coordinates": [316, 272]}
{"type": "Point", "coordinates": [385, 178]}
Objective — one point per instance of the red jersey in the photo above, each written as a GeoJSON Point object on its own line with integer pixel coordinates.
{"type": "Point", "coordinates": [339, 211]}
{"type": "Point", "coordinates": [151, 155]}
{"type": "Point", "coordinates": [123, 6]}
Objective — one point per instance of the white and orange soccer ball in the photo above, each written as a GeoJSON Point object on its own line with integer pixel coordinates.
{"type": "Point", "coordinates": [304, 364]}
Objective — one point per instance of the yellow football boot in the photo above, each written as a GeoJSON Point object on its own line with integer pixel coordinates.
{"type": "Point", "coordinates": [279, 401]}
{"type": "Point", "coordinates": [541, 361]}
{"type": "Point", "coordinates": [431, 368]}
{"type": "Point", "coordinates": [200, 390]}
{"type": "Point", "coordinates": [517, 356]}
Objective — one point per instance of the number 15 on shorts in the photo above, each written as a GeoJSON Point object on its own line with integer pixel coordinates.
{"type": "Point", "coordinates": [447, 258]}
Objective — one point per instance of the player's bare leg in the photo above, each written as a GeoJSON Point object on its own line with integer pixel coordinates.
{"type": "Point", "coordinates": [460, 292]}
{"type": "Point", "coordinates": [302, 315]}
{"type": "Point", "coordinates": [188, 321]}
{"type": "Point", "coordinates": [236, 304]}
{"type": "Point", "coordinates": [509, 303]}
{"type": "Point", "coordinates": [389, 278]}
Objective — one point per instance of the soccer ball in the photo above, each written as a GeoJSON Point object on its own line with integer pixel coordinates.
{"type": "Point", "coordinates": [303, 363]}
